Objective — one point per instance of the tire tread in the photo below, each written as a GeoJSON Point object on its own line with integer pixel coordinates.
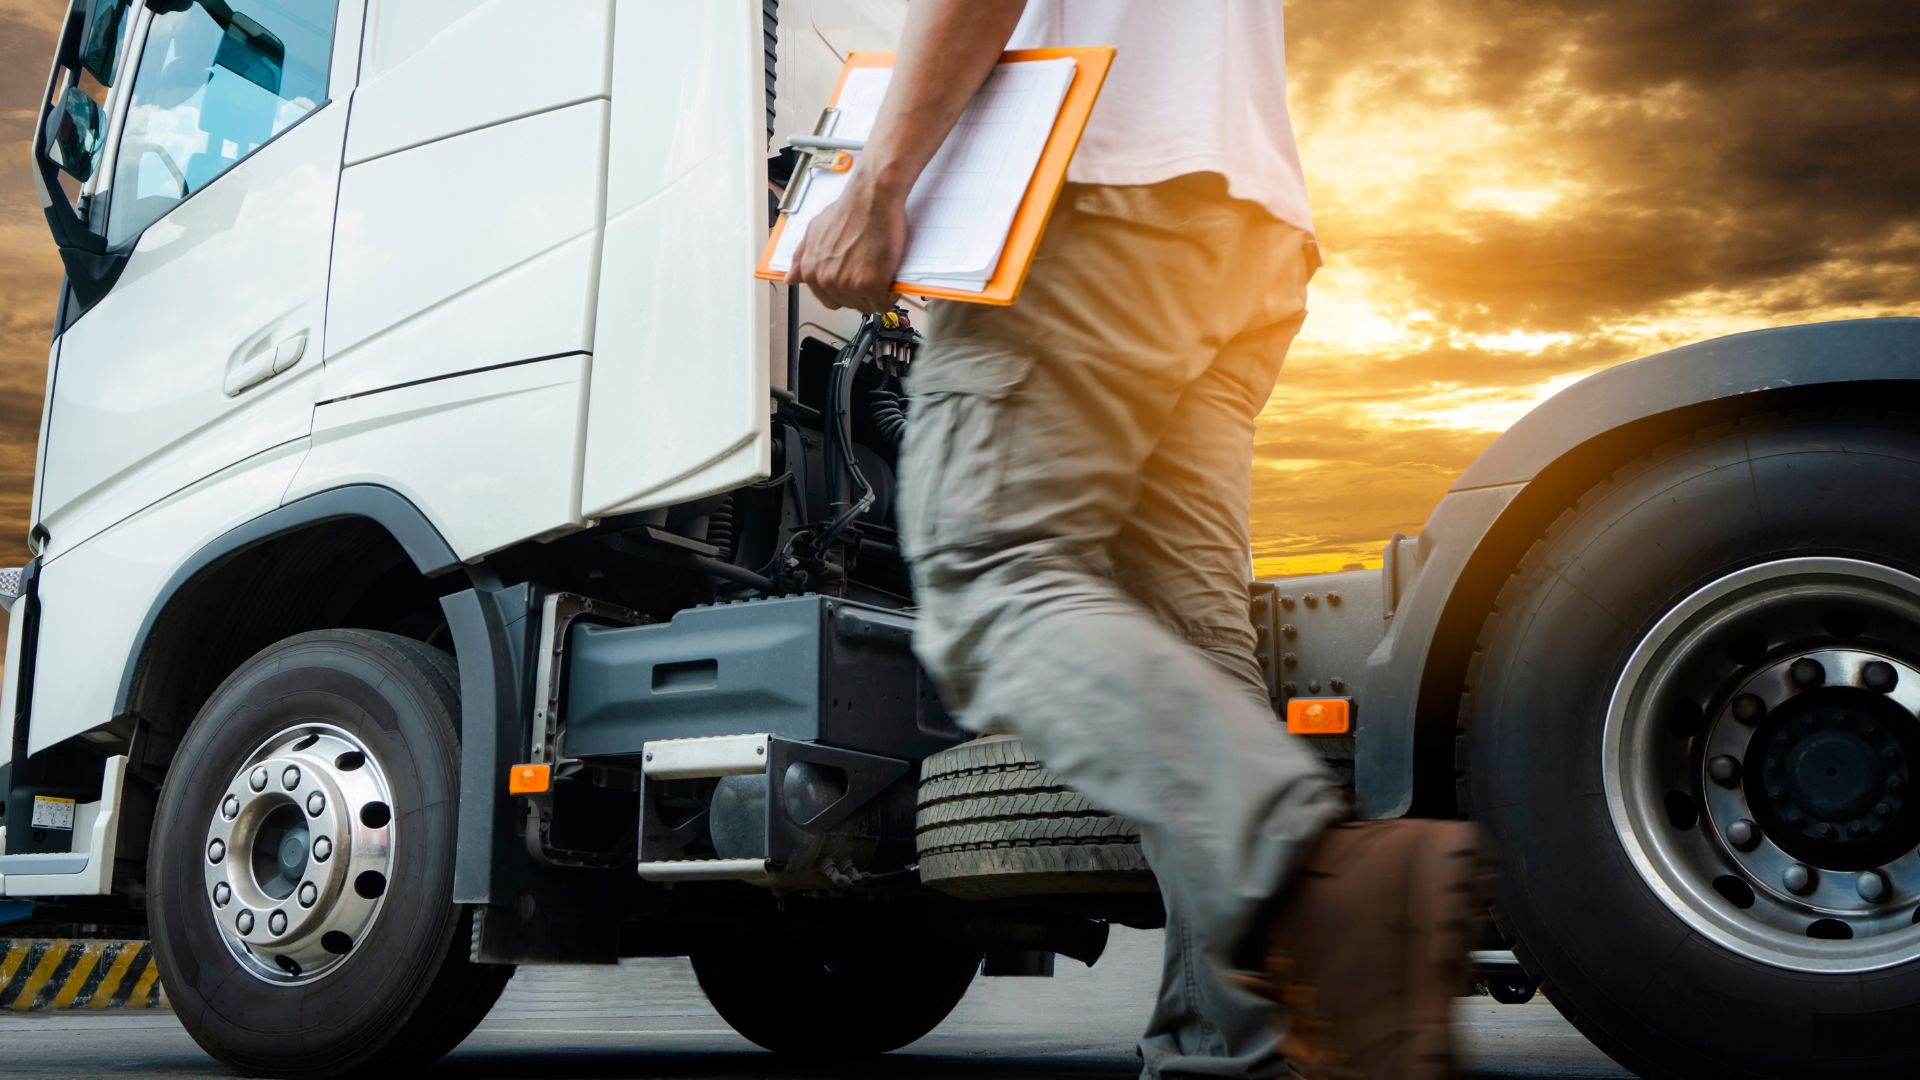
{"type": "Point", "coordinates": [994, 821]}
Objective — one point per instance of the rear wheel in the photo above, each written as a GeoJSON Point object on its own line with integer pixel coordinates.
{"type": "Point", "coordinates": [837, 994]}
{"type": "Point", "coordinates": [1692, 726]}
{"type": "Point", "coordinates": [302, 862]}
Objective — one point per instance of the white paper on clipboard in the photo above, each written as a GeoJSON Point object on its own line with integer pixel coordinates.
{"type": "Point", "coordinates": [963, 205]}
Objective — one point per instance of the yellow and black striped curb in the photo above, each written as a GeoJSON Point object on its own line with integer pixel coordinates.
{"type": "Point", "coordinates": [51, 973]}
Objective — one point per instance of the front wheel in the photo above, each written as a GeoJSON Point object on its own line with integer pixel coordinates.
{"type": "Point", "coordinates": [1692, 726]}
{"type": "Point", "coordinates": [302, 862]}
{"type": "Point", "coordinates": [845, 993]}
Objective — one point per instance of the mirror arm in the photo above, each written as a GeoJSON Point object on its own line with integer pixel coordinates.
{"type": "Point", "coordinates": [91, 268]}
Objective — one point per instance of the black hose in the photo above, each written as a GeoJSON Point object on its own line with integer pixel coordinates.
{"type": "Point", "coordinates": [889, 412]}
{"type": "Point", "coordinates": [720, 529]}
{"type": "Point", "coordinates": [735, 573]}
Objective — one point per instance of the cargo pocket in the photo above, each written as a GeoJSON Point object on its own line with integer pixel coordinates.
{"type": "Point", "coordinates": [954, 463]}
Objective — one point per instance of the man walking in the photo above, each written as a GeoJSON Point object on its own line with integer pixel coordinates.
{"type": "Point", "coordinates": [1075, 495]}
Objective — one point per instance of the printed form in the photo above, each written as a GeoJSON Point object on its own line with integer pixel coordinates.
{"type": "Point", "coordinates": [963, 205]}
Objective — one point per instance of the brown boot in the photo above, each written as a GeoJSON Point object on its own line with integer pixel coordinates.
{"type": "Point", "coordinates": [1369, 948]}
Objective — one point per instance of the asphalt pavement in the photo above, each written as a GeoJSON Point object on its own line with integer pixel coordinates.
{"type": "Point", "coordinates": [647, 1018]}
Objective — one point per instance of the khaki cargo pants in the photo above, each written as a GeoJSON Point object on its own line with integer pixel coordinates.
{"type": "Point", "coordinates": [1075, 491]}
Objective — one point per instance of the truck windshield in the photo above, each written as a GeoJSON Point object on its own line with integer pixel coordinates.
{"type": "Point", "coordinates": [209, 91]}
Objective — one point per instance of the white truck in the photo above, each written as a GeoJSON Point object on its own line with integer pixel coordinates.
{"type": "Point", "coordinates": [446, 556]}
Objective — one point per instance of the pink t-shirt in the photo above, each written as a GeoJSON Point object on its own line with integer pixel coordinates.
{"type": "Point", "coordinates": [1196, 86]}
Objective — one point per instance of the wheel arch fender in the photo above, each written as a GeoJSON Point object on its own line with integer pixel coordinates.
{"type": "Point", "coordinates": [385, 515]}
{"type": "Point", "coordinates": [1444, 582]}
{"type": "Point", "coordinates": [487, 627]}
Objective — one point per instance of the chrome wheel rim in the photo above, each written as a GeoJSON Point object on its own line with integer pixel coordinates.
{"type": "Point", "coordinates": [298, 853]}
{"type": "Point", "coordinates": [1758, 756]}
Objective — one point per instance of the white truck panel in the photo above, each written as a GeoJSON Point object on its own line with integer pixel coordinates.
{"type": "Point", "coordinates": [138, 407]}
{"type": "Point", "coordinates": [468, 252]}
{"type": "Point", "coordinates": [40, 448]}
{"type": "Point", "coordinates": [491, 457]}
{"type": "Point", "coordinates": [436, 68]}
{"type": "Point", "coordinates": [94, 597]}
{"type": "Point", "coordinates": [10, 685]}
{"type": "Point", "coordinates": [679, 401]}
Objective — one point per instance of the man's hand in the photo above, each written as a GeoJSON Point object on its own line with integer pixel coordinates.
{"type": "Point", "coordinates": [947, 50]}
{"type": "Point", "coordinates": [852, 249]}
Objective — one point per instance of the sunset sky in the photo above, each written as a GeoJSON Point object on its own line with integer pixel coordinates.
{"type": "Point", "coordinates": [1511, 194]}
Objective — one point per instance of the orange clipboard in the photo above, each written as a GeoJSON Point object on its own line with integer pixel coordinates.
{"type": "Point", "coordinates": [1036, 206]}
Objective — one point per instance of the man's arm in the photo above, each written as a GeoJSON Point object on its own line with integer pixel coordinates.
{"type": "Point", "coordinates": [947, 50]}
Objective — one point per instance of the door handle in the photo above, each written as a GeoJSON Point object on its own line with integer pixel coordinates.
{"type": "Point", "coordinates": [264, 360]}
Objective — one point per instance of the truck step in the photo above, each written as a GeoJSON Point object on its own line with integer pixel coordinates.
{"type": "Point", "coordinates": [751, 870]}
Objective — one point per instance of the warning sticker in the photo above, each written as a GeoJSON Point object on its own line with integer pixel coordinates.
{"type": "Point", "coordinates": [50, 812]}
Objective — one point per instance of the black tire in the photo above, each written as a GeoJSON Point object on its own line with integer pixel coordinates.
{"type": "Point", "coordinates": [1511, 989]}
{"type": "Point", "coordinates": [1661, 998]}
{"type": "Point", "coordinates": [407, 993]}
{"type": "Point", "coordinates": [994, 822]}
{"type": "Point", "coordinates": [836, 995]}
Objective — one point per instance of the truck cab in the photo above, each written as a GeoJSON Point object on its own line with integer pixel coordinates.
{"type": "Point", "coordinates": [447, 556]}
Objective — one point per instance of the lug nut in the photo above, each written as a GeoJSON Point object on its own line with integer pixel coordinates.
{"type": "Point", "coordinates": [1895, 783]}
{"type": "Point", "coordinates": [1742, 834]}
{"type": "Point", "coordinates": [1798, 878]}
{"type": "Point", "coordinates": [1872, 887]}
{"type": "Point", "coordinates": [1794, 817]}
{"type": "Point", "coordinates": [291, 778]}
{"type": "Point", "coordinates": [221, 894]}
{"type": "Point", "coordinates": [1856, 828]}
{"type": "Point", "coordinates": [1724, 769]}
{"type": "Point", "coordinates": [258, 781]}
{"type": "Point", "coordinates": [309, 894]}
{"type": "Point", "coordinates": [1775, 791]}
{"type": "Point", "coordinates": [244, 921]}
{"type": "Point", "coordinates": [1823, 830]}
{"type": "Point", "coordinates": [1748, 708]}
{"type": "Point", "coordinates": [1888, 753]}
{"type": "Point", "coordinates": [277, 922]}
{"type": "Point", "coordinates": [1879, 675]}
{"type": "Point", "coordinates": [1883, 810]}
{"type": "Point", "coordinates": [216, 850]}
{"type": "Point", "coordinates": [230, 809]}
{"type": "Point", "coordinates": [1807, 672]}
{"type": "Point", "coordinates": [316, 804]}
{"type": "Point", "coordinates": [322, 848]}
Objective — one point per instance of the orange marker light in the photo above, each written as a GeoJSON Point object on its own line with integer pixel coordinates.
{"type": "Point", "coordinates": [529, 779]}
{"type": "Point", "coordinates": [1318, 716]}
{"type": "Point", "coordinates": [842, 161]}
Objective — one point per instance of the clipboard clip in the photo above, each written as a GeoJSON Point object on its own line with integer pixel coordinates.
{"type": "Point", "coordinates": [818, 152]}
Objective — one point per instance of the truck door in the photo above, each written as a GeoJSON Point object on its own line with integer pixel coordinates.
{"type": "Point", "coordinates": [222, 177]}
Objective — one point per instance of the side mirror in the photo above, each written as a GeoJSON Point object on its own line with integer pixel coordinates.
{"type": "Point", "coordinates": [68, 139]}
{"type": "Point", "coordinates": [76, 134]}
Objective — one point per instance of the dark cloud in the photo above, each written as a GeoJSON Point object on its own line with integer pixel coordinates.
{"type": "Point", "coordinates": [1719, 145]}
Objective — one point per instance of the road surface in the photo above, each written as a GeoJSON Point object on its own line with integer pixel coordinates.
{"type": "Point", "coordinates": [648, 1019]}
